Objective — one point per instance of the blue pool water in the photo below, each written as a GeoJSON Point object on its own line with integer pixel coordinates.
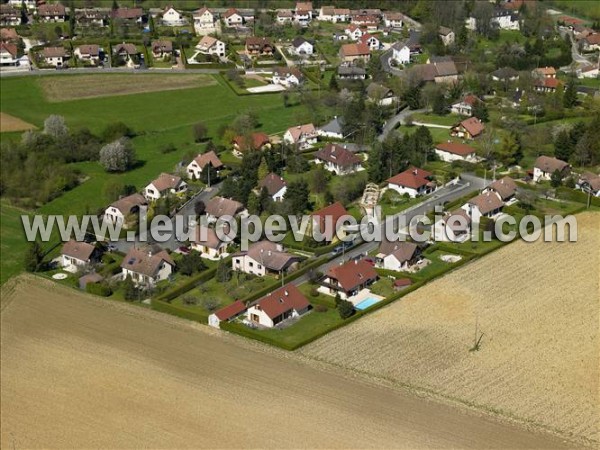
{"type": "Point", "coordinates": [366, 303]}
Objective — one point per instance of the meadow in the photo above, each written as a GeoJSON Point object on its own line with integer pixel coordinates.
{"type": "Point", "coordinates": [158, 118]}
{"type": "Point", "coordinates": [536, 320]}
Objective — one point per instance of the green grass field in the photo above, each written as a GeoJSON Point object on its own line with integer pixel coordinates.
{"type": "Point", "coordinates": [158, 118]}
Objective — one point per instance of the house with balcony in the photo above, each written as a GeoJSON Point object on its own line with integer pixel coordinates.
{"type": "Point", "coordinates": [339, 160]}
{"type": "Point", "coordinates": [348, 279]}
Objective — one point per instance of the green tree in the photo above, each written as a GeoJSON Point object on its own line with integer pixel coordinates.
{"type": "Point", "coordinates": [563, 146]}
{"type": "Point", "coordinates": [345, 309]}
{"type": "Point", "coordinates": [333, 84]}
{"type": "Point", "coordinates": [191, 263]}
{"type": "Point", "coordinates": [556, 179]}
{"type": "Point", "coordinates": [34, 257]}
{"type": "Point", "coordinates": [297, 197]}
{"type": "Point", "coordinates": [481, 112]}
{"type": "Point", "coordinates": [200, 132]}
{"type": "Point", "coordinates": [570, 94]}
{"type": "Point", "coordinates": [130, 292]}
{"type": "Point", "coordinates": [223, 271]}
{"type": "Point", "coordinates": [263, 169]}
{"type": "Point", "coordinates": [254, 206]}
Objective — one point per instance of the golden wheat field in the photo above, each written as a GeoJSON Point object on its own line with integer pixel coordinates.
{"type": "Point", "coordinates": [82, 372]}
{"type": "Point", "coordinates": [537, 305]}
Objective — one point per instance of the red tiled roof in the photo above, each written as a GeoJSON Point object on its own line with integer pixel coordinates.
{"type": "Point", "coordinates": [273, 182]}
{"type": "Point", "coordinates": [258, 141]}
{"type": "Point", "coordinates": [331, 213]}
{"type": "Point", "coordinates": [456, 148]}
{"type": "Point", "coordinates": [402, 282]}
{"type": "Point", "coordinates": [337, 154]}
{"type": "Point", "coordinates": [473, 125]}
{"type": "Point", "coordinates": [79, 250]}
{"type": "Point", "coordinates": [412, 177]}
{"type": "Point", "coordinates": [352, 274]}
{"type": "Point", "coordinates": [549, 164]}
{"type": "Point", "coordinates": [208, 158]}
{"type": "Point", "coordinates": [359, 49]}
{"type": "Point", "coordinates": [230, 311]}
{"type": "Point", "coordinates": [282, 300]}
{"type": "Point", "coordinates": [10, 48]}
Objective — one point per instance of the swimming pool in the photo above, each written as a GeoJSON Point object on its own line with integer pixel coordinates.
{"type": "Point", "coordinates": [367, 303]}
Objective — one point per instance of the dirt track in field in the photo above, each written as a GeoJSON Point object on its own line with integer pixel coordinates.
{"type": "Point", "coordinates": [65, 88]}
{"type": "Point", "coordinates": [537, 305]}
{"type": "Point", "coordinates": [11, 123]}
{"type": "Point", "coordinates": [79, 371]}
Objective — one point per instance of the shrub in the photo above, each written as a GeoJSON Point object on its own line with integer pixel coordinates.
{"type": "Point", "coordinates": [314, 292]}
{"type": "Point", "coordinates": [320, 308]}
{"type": "Point", "coordinates": [101, 289]}
{"type": "Point", "coordinates": [168, 148]}
{"type": "Point", "coordinates": [210, 304]}
{"type": "Point", "coordinates": [345, 309]}
{"type": "Point", "coordinates": [189, 300]}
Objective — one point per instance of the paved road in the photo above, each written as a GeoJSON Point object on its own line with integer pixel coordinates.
{"type": "Point", "coordinates": [386, 66]}
{"type": "Point", "coordinates": [578, 59]}
{"type": "Point", "coordinates": [468, 184]}
{"type": "Point", "coordinates": [399, 118]}
{"type": "Point", "coordinates": [188, 211]}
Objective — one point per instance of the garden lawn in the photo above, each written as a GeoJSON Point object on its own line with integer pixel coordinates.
{"type": "Point", "coordinates": [159, 118]}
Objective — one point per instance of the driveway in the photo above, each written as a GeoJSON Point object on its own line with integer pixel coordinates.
{"type": "Point", "coordinates": [468, 184]}
{"type": "Point", "coordinates": [399, 118]}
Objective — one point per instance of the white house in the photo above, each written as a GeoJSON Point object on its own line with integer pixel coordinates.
{"type": "Point", "coordinates": [455, 151]}
{"type": "Point", "coordinates": [51, 12]}
{"type": "Point", "coordinates": [303, 13]}
{"type": "Point", "coordinates": [339, 160]}
{"type": "Point", "coordinates": [506, 20]}
{"type": "Point", "coordinates": [332, 129]}
{"type": "Point", "coordinates": [207, 243]}
{"type": "Point", "coordinates": [446, 35]}
{"type": "Point", "coordinates": [9, 15]}
{"type": "Point", "coordinates": [55, 56]}
{"type": "Point", "coordinates": [264, 257]}
{"type": "Point", "coordinates": [392, 19]}
{"type": "Point", "coordinates": [147, 268]}
{"type": "Point", "coordinates": [302, 136]}
{"type": "Point", "coordinates": [488, 204]}
{"type": "Point", "coordinates": [465, 106]}
{"type": "Point", "coordinates": [226, 314]}
{"type": "Point", "coordinates": [401, 53]}
{"type": "Point", "coordinates": [397, 255]}
{"type": "Point", "coordinates": [413, 181]}
{"type": "Point", "coordinates": [196, 166]}
{"type": "Point", "coordinates": [29, 4]}
{"type": "Point", "coordinates": [89, 53]}
{"type": "Point", "coordinates": [505, 188]}
{"type": "Point", "coordinates": [349, 278]}
{"type": "Point", "coordinates": [173, 18]}
{"type": "Point", "coordinates": [76, 255]}
{"type": "Point", "coordinates": [589, 182]}
{"type": "Point", "coordinates": [204, 21]}
{"type": "Point", "coordinates": [371, 41]}
{"type": "Point", "coordinates": [589, 72]}
{"type": "Point", "coordinates": [453, 227]}
{"type": "Point", "coordinates": [165, 184]}
{"type": "Point", "coordinates": [471, 23]}
{"type": "Point", "coordinates": [301, 46]}
{"type": "Point", "coordinates": [233, 18]}
{"type": "Point", "coordinates": [284, 17]}
{"type": "Point", "coordinates": [354, 32]}
{"type": "Point", "coordinates": [209, 45]}
{"type": "Point", "coordinates": [119, 211]}
{"type": "Point", "coordinates": [287, 76]}
{"type": "Point", "coordinates": [334, 15]}
{"type": "Point", "coordinates": [283, 303]}
{"type": "Point", "coordinates": [275, 186]}
{"type": "Point", "coordinates": [545, 166]}
{"type": "Point", "coordinates": [8, 54]}
{"type": "Point", "coordinates": [380, 94]}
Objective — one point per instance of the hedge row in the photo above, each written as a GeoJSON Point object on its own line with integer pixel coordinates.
{"type": "Point", "coordinates": [174, 310]}
{"type": "Point", "coordinates": [188, 285]}
{"type": "Point", "coordinates": [573, 195]}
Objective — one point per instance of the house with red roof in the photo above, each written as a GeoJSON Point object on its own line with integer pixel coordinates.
{"type": "Point", "coordinates": [226, 314]}
{"type": "Point", "coordinates": [275, 186]}
{"type": "Point", "coordinates": [350, 53]}
{"type": "Point", "coordinates": [348, 279]}
{"type": "Point", "coordinates": [197, 165]}
{"type": "Point", "coordinates": [338, 159]}
{"type": "Point", "coordinates": [302, 136]}
{"type": "Point", "coordinates": [233, 18]}
{"type": "Point", "coordinates": [255, 142]}
{"type": "Point", "coordinates": [546, 85]}
{"type": "Point", "coordinates": [326, 222]}
{"type": "Point", "coordinates": [371, 41]}
{"type": "Point", "coordinates": [284, 303]}
{"type": "Point", "coordinates": [455, 151]}
{"type": "Point", "coordinates": [465, 106]}
{"type": "Point", "coordinates": [412, 182]}
{"type": "Point", "coordinates": [354, 32]}
{"type": "Point", "coordinates": [468, 129]}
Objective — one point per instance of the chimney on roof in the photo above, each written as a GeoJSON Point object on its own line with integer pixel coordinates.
{"type": "Point", "coordinates": [269, 252]}
{"type": "Point", "coordinates": [286, 293]}
{"type": "Point", "coordinates": [356, 261]}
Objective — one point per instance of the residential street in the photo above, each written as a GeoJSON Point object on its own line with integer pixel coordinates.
{"type": "Point", "coordinates": [187, 211]}
{"type": "Point", "coordinates": [468, 184]}
{"type": "Point", "coordinates": [399, 118]}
